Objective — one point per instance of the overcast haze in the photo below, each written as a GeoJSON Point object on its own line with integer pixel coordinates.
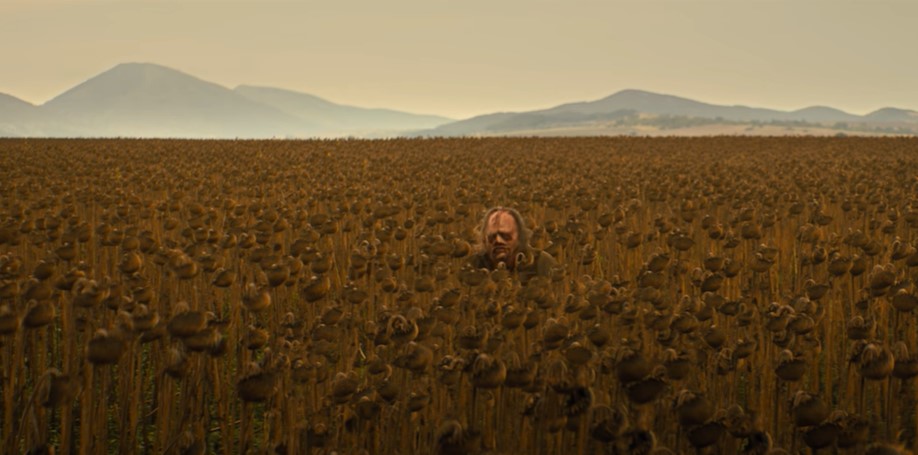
{"type": "Point", "coordinates": [469, 57]}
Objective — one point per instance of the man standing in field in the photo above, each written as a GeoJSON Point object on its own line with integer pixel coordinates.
{"type": "Point", "coordinates": [505, 240]}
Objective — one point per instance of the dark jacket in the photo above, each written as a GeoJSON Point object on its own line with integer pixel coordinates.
{"type": "Point", "coordinates": [533, 263]}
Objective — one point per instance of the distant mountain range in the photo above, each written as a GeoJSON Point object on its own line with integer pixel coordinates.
{"type": "Point", "coordinates": [629, 109]}
{"type": "Point", "coordinates": [148, 100]}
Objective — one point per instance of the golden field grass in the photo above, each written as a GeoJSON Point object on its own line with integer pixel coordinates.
{"type": "Point", "coordinates": [713, 295]}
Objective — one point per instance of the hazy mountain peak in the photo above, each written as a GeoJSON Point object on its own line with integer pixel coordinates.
{"type": "Point", "coordinates": [150, 72]}
{"type": "Point", "coordinates": [893, 114]}
{"type": "Point", "coordinates": [135, 83]}
{"type": "Point", "coordinates": [819, 108]}
{"type": "Point", "coordinates": [10, 101]}
{"type": "Point", "coordinates": [633, 100]}
{"type": "Point", "coordinates": [634, 95]}
{"type": "Point", "coordinates": [13, 109]}
{"type": "Point", "coordinates": [21, 118]}
{"type": "Point", "coordinates": [822, 114]}
{"type": "Point", "coordinates": [150, 100]}
{"type": "Point", "coordinates": [150, 68]}
{"type": "Point", "coordinates": [634, 91]}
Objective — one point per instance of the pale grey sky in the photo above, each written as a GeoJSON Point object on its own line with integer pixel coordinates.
{"type": "Point", "coordinates": [461, 58]}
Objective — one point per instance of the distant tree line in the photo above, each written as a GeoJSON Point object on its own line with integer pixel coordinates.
{"type": "Point", "coordinates": [670, 122]}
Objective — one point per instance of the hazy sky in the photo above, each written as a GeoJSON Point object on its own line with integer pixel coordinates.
{"type": "Point", "coordinates": [465, 57]}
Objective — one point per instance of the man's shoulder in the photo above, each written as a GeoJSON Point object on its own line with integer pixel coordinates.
{"type": "Point", "coordinates": [544, 261]}
{"type": "Point", "coordinates": [540, 258]}
{"type": "Point", "coordinates": [539, 263]}
{"type": "Point", "coordinates": [543, 256]}
{"type": "Point", "coordinates": [478, 260]}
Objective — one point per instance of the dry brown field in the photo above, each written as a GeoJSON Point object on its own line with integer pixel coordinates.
{"type": "Point", "coordinates": [712, 295]}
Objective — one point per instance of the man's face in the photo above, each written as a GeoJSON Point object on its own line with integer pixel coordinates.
{"type": "Point", "coordinates": [501, 237]}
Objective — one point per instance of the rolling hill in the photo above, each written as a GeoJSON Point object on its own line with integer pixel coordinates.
{"type": "Point", "coordinates": [20, 118]}
{"type": "Point", "coordinates": [337, 119]}
{"type": "Point", "coordinates": [637, 107]}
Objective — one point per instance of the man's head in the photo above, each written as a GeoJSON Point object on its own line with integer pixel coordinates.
{"type": "Point", "coordinates": [503, 236]}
